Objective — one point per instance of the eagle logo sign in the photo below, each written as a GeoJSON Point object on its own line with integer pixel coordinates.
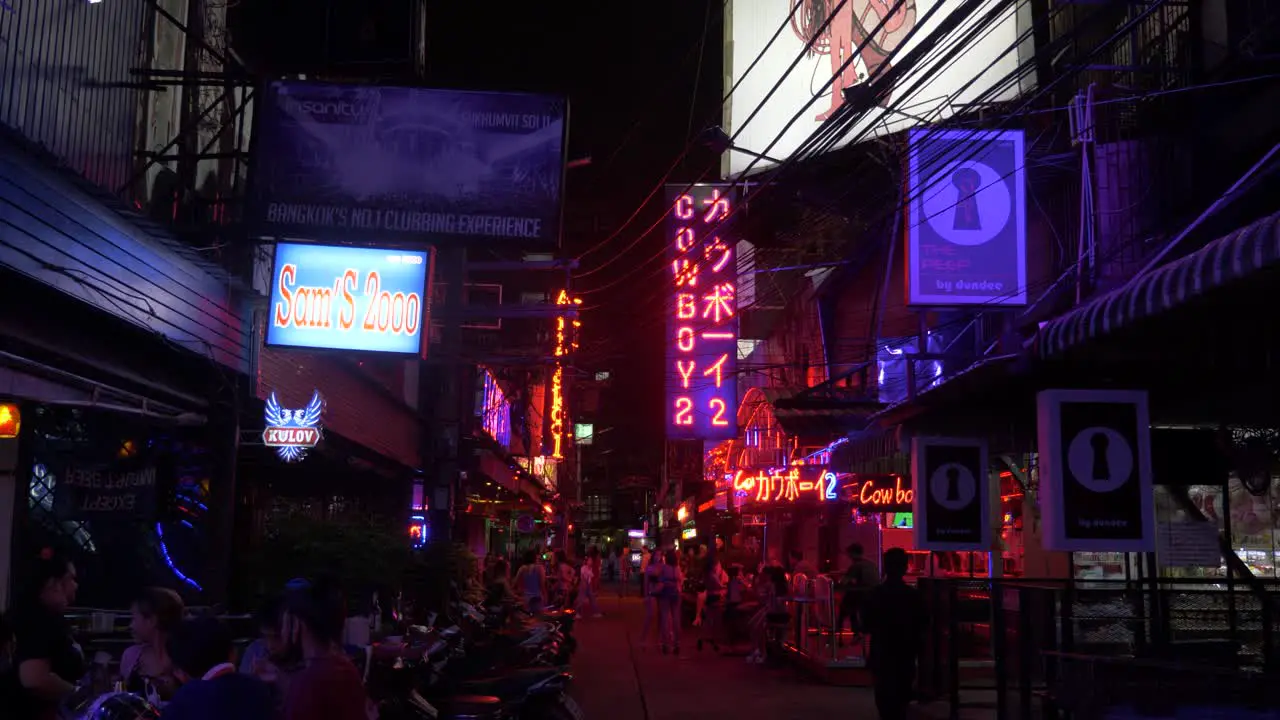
{"type": "Point", "coordinates": [293, 432]}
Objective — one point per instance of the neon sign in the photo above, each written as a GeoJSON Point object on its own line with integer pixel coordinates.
{"type": "Point", "coordinates": [348, 298]}
{"type": "Point", "coordinates": [787, 485]}
{"type": "Point", "coordinates": [494, 410]}
{"type": "Point", "coordinates": [701, 315]}
{"type": "Point", "coordinates": [564, 343]}
{"type": "Point", "coordinates": [293, 432]}
{"type": "Point", "coordinates": [883, 493]}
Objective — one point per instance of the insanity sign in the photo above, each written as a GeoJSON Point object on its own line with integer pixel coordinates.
{"type": "Point", "coordinates": [1095, 470]}
{"type": "Point", "coordinates": [952, 508]}
{"type": "Point", "coordinates": [398, 164]}
{"type": "Point", "coordinates": [702, 315]}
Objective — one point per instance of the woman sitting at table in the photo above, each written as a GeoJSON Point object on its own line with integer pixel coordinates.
{"type": "Point", "coordinates": [146, 667]}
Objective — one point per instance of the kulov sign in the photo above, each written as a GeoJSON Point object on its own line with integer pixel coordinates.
{"type": "Point", "coordinates": [787, 485]}
{"type": "Point", "coordinates": [293, 432]}
{"type": "Point", "coordinates": [348, 298]}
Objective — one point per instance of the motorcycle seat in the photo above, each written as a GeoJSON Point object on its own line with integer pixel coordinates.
{"type": "Point", "coordinates": [515, 679]}
{"type": "Point", "coordinates": [467, 707]}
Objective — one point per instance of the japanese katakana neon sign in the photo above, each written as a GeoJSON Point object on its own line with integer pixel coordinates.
{"type": "Point", "coordinates": [786, 485]}
{"type": "Point", "coordinates": [702, 315]}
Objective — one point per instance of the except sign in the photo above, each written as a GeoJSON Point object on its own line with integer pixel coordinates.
{"type": "Point", "coordinates": [405, 164]}
{"type": "Point", "coordinates": [120, 490]}
{"type": "Point", "coordinates": [782, 54]}
{"type": "Point", "coordinates": [702, 315]}
{"type": "Point", "coordinates": [293, 432]}
{"type": "Point", "coordinates": [1095, 470]}
{"type": "Point", "coordinates": [348, 298]}
{"type": "Point", "coordinates": [952, 509]}
{"type": "Point", "coordinates": [966, 232]}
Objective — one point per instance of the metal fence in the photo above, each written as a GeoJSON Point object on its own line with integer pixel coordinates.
{"type": "Point", "coordinates": [1021, 647]}
{"type": "Point", "coordinates": [65, 81]}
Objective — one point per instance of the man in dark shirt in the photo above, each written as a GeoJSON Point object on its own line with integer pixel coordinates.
{"type": "Point", "coordinates": [329, 686]}
{"type": "Point", "coordinates": [894, 616]}
{"type": "Point", "coordinates": [859, 580]}
{"type": "Point", "coordinates": [42, 637]}
{"type": "Point", "coordinates": [203, 655]}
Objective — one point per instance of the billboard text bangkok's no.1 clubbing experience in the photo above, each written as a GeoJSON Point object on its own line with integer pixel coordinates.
{"type": "Point", "coordinates": [396, 165]}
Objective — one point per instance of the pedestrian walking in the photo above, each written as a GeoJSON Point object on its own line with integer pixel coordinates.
{"type": "Point", "coordinates": [650, 588]}
{"type": "Point", "coordinates": [669, 616]}
{"type": "Point", "coordinates": [587, 584]}
{"type": "Point", "coordinates": [713, 608]}
{"type": "Point", "coordinates": [624, 570]}
{"type": "Point", "coordinates": [894, 617]}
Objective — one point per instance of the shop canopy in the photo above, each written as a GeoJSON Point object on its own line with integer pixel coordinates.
{"type": "Point", "coordinates": [1246, 251]}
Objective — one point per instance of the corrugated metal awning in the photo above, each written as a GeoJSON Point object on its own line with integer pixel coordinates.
{"type": "Point", "coordinates": [1243, 252]}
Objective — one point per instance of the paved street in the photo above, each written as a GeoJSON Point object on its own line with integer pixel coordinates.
{"type": "Point", "coordinates": [618, 680]}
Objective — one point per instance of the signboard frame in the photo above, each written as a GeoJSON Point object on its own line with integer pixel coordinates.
{"type": "Point", "coordinates": [1054, 471]}
{"type": "Point", "coordinates": [966, 157]}
{"type": "Point", "coordinates": [257, 200]}
{"type": "Point", "coordinates": [922, 522]}
{"type": "Point", "coordinates": [428, 264]}
{"type": "Point", "coordinates": [701, 310]}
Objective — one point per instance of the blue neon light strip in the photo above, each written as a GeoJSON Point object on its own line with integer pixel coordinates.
{"type": "Point", "coordinates": [164, 552]}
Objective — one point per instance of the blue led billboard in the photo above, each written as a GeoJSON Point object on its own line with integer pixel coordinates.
{"type": "Point", "coordinates": [349, 298]}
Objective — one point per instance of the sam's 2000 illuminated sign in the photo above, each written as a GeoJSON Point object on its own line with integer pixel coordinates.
{"type": "Point", "coordinates": [348, 298]}
{"type": "Point", "coordinates": [702, 315]}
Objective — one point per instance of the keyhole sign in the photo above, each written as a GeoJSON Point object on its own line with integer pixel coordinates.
{"type": "Point", "coordinates": [1101, 467]}
{"type": "Point", "coordinates": [966, 181]}
{"type": "Point", "coordinates": [953, 485]}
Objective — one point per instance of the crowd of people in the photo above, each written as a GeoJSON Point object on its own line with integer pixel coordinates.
{"type": "Point", "coordinates": [551, 580]}
{"type": "Point", "coordinates": [733, 599]}
{"type": "Point", "coordinates": [298, 668]}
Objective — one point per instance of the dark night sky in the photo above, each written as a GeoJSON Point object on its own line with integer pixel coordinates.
{"type": "Point", "coordinates": [629, 70]}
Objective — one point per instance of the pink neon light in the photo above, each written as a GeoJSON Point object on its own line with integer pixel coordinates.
{"type": "Point", "coordinates": [684, 339]}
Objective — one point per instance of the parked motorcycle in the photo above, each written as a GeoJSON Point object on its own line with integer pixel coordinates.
{"type": "Point", "coordinates": [475, 670]}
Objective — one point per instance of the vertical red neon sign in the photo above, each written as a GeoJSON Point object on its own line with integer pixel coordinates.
{"type": "Point", "coordinates": [702, 314]}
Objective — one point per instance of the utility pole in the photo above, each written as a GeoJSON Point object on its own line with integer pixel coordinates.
{"type": "Point", "coordinates": [439, 383]}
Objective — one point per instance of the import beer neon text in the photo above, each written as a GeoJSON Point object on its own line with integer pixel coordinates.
{"type": "Point", "coordinates": [336, 306]}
